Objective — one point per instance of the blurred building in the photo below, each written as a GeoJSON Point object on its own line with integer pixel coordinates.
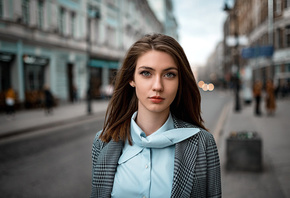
{"type": "Point", "coordinates": [66, 43]}
{"type": "Point", "coordinates": [164, 10]}
{"type": "Point", "coordinates": [214, 67]}
{"type": "Point", "coordinates": [266, 51]}
{"type": "Point", "coordinates": [232, 61]}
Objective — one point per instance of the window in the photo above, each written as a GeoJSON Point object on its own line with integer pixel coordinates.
{"type": "Point", "coordinates": [40, 14]}
{"type": "Point", "coordinates": [1, 8]}
{"type": "Point", "coordinates": [111, 39]}
{"type": "Point", "coordinates": [278, 7]}
{"type": "Point", "coordinates": [97, 30]}
{"type": "Point", "coordinates": [96, 80]}
{"type": "Point", "coordinates": [34, 77]}
{"type": "Point", "coordinates": [277, 69]}
{"type": "Point", "coordinates": [72, 25]}
{"type": "Point", "coordinates": [31, 84]}
{"type": "Point", "coordinates": [287, 3]}
{"type": "Point", "coordinates": [61, 21]}
{"type": "Point", "coordinates": [5, 76]}
{"type": "Point", "coordinates": [278, 39]}
{"type": "Point", "coordinates": [287, 36]}
{"type": "Point", "coordinates": [25, 11]}
{"type": "Point", "coordinates": [287, 69]}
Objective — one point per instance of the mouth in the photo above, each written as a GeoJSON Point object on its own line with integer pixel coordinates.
{"type": "Point", "coordinates": [156, 99]}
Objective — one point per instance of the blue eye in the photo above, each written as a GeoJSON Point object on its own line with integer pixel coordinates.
{"type": "Point", "coordinates": [145, 73]}
{"type": "Point", "coordinates": [170, 75]}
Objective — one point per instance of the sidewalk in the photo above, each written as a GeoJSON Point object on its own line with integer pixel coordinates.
{"type": "Point", "coordinates": [25, 121]}
{"type": "Point", "coordinates": [274, 180]}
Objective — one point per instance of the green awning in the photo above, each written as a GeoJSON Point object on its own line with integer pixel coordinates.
{"type": "Point", "coordinates": [103, 64]}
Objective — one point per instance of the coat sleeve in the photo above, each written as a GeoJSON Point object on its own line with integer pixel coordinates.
{"type": "Point", "coordinates": [213, 169]}
{"type": "Point", "coordinates": [97, 146]}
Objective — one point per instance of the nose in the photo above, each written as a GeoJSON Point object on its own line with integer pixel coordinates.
{"type": "Point", "coordinates": [158, 84]}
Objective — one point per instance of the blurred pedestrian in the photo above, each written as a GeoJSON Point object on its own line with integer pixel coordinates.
{"type": "Point", "coordinates": [75, 93]}
{"type": "Point", "coordinates": [109, 89]}
{"type": "Point", "coordinates": [257, 92]}
{"type": "Point", "coordinates": [153, 141]}
{"type": "Point", "coordinates": [270, 98]}
{"type": "Point", "coordinates": [10, 98]}
{"type": "Point", "coordinates": [48, 100]}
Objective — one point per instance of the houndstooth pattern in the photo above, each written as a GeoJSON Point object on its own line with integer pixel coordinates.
{"type": "Point", "coordinates": [196, 166]}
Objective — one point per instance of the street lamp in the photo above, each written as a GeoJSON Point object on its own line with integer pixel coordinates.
{"type": "Point", "coordinates": [93, 13]}
{"type": "Point", "coordinates": [236, 68]}
{"type": "Point", "coordinates": [89, 89]}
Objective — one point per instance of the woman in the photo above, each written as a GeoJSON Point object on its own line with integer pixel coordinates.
{"type": "Point", "coordinates": [257, 92]}
{"type": "Point", "coordinates": [10, 98]}
{"type": "Point", "coordinates": [154, 143]}
{"type": "Point", "coordinates": [48, 100]}
{"type": "Point", "coordinates": [270, 98]}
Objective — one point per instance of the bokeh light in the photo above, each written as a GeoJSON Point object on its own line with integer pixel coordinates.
{"type": "Point", "coordinates": [200, 84]}
{"type": "Point", "coordinates": [210, 87]}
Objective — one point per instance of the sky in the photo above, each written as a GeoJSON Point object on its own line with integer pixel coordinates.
{"type": "Point", "coordinates": [200, 27]}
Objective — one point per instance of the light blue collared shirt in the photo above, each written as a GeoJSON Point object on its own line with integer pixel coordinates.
{"type": "Point", "coordinates": [146, 168]}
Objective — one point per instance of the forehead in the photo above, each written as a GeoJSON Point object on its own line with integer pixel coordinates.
{"type": "Point", "coordinates": [154, 58]}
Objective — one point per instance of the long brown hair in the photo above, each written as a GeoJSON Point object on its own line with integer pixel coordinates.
{"type": "Point", "coordinates": [186, 105]}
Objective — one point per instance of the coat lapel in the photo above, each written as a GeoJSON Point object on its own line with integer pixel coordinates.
{"type": "Point", "coordinates": [106, 165]}
{"type": "Point", "coordinates": [184, 164]}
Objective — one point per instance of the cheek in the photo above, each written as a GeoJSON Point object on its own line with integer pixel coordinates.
{"type": "Point", "coordinates": [139, 85]}
{"type": "Point", "coordinates": [174, 93]}
{"type": "Point", "coordinates": [174, 88]}
{"type": "Point", "coordinates": [139, 89]}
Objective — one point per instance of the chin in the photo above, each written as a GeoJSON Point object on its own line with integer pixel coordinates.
{"type": "Point", "coordinates": [159, 109]}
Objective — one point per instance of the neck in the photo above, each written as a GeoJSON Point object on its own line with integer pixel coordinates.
{"type": "Point", "coordinates": [151, 122]}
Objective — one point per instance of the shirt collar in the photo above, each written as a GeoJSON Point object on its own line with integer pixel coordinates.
{"type": "Point", "coordinates": [136, 131]}
{"type": "Point", "coordinates": [165, 136]}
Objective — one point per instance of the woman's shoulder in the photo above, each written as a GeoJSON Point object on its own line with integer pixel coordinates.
{"type": "Point", "coordinates": [97, 141]}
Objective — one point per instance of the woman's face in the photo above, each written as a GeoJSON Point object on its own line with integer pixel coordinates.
{"type": "Point", "coordinates": [155, 81]}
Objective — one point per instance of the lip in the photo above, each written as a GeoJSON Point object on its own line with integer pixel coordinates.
{"type": "Point", "coordinates": [156, 99]}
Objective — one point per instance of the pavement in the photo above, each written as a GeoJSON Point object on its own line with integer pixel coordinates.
{"type": "Point", "coordinates": [272, 181]}
{"type": "Point", "coordinates": [32, 120]}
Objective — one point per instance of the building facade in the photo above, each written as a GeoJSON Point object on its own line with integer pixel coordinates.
{"type": "Point", "coordinates": [67, 43]}
{"type": "Point", "coordinates": [271, 20]}
{"type": "Point", "coordinates": [164, 11]}
{"type": "Point", "coordinates": [214, 67]}
{"type": "Point", "coordinates": [266, 25]}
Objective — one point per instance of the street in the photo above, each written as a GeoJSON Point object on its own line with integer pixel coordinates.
{"type": "Point", "coordinates": [57, 162]}
{"type": "Point", "coordinates": [212, 104]}
{"type": "Point", "coordinates": [53, 164]}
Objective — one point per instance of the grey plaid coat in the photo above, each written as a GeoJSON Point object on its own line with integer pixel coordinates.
{"type": "Point", "coordinates": [196, 166]}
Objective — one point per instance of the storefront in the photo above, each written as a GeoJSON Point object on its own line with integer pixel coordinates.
{"type": "Point", "coordinates": [34, 79]}
{"type": "Point", "coordinates": [102, 73]}
{"type": "Point", "coordinates": [5, 75]}
{"type": "Point", "coordinates": [27, 68]}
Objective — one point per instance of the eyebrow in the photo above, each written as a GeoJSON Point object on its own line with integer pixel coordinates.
{"type": "Point", "coordinates": [150, 68]}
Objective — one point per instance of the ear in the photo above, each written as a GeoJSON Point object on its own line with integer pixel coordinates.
{"type": "Point", "coordinates": [132, 83]}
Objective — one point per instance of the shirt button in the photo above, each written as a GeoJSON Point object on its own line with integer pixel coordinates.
{"type": "Point", "coordinates": [146, 168]}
